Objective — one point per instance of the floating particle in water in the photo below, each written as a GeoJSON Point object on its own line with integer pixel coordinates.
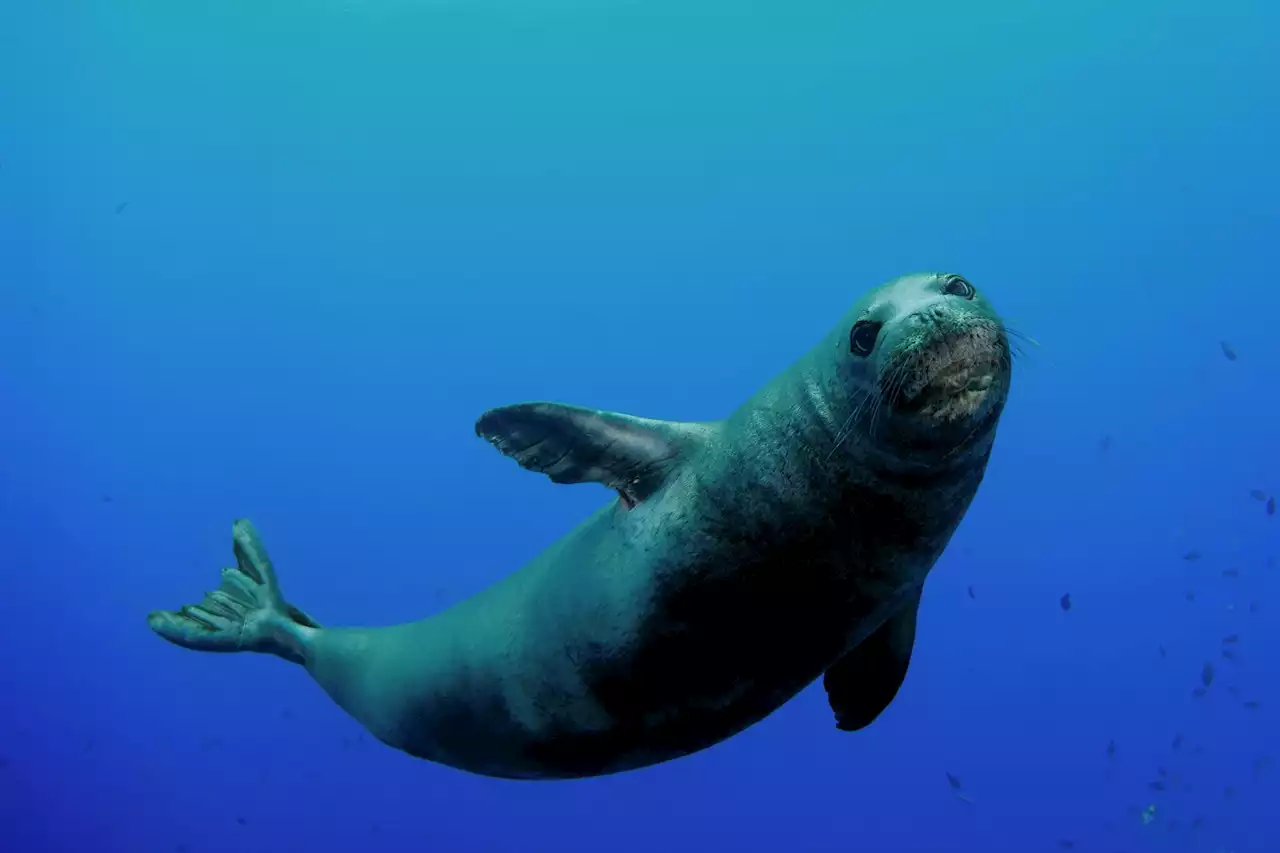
{"type": "Point", "coordinates": [1206, 674]}
{"type": "Point", "coordinates": [1065, 602]}
{"type": "Point", "coordinates": [1228, 351]}
{"type": "Point", "coordinates": [972, 592]}
{"type": "Point", "coordinates": [1111, 749]}
{"type": "Point", "coordinates": [953, 781]}
{"type": "Point", "coordinates": [1230, 639]}
{"type": "Point", "coordinates": [1258, 495]}
{"type": "Point", "coordinates": [1192, 556]}
{"type": "Point", "coordinates": [1231, 573]}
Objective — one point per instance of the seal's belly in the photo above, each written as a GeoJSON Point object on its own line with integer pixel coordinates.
{"type": "Point", "coordinates": [611, 658]}
{"type": "Point", "coordinates": [707, 661]}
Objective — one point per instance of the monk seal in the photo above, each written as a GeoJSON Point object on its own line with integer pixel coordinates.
{"type": "Point", "coordinates": [741, 560]}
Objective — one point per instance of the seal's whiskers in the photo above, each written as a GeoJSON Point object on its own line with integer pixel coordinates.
{"type": "Point", "coordinates": [846, 428]}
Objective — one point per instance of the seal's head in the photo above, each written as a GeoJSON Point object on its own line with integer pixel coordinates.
{"type": "Point", "coordinates": [928, 360]}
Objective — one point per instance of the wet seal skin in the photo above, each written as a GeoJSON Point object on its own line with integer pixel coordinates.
{"type": "Point", "coordinates": [741, 560]}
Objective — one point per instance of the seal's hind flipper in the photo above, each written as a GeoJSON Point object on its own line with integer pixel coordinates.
{"type": "Point", "coordinates": [862, 683]}
{"type": "Point", "coordinates": [246, 613]}
{"type": "Point", "coordinates": [571, 444]}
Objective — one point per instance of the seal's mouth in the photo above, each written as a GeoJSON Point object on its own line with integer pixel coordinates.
{"type": "Point", "coordinates": [951, 377]}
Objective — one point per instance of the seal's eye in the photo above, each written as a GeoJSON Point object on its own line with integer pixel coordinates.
{"type": "Point", "coordinates": [862, 337]}
{"type": "Point", "coordinates": [956, 286]}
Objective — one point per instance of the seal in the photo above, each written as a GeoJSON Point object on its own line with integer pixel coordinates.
{"type": "Point", "coordinates": [741, 560]}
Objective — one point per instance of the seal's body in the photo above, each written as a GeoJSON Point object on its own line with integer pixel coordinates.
{"type": "Point", "coordinates": [741, 560]}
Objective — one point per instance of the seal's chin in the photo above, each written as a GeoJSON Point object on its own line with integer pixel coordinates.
{"type": "Point", "coordinates": [954, 378]}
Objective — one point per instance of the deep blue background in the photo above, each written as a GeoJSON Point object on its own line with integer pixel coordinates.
{"type": "Point", "coordinates": [351, 227]}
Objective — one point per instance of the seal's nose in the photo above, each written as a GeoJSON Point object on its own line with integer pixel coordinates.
{"type": "Point", "coordinates": [929, 315]}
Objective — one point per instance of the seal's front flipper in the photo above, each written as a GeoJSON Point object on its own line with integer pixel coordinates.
{"type": "Point", "coordinates": [246, 613]}
{"type": "Point", "coordinates": [862, 683]}
{"type": "Point", "coordinates": [571, 444]}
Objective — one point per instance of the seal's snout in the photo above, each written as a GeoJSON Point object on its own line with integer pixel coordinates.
{"type": "Point", "coordinates": [931, 347]}
{"type": "Point", "coordinates": [950, 374]}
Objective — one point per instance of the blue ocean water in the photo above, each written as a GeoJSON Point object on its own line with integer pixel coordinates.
{"type": "Point", "coordinates": [272, 260]}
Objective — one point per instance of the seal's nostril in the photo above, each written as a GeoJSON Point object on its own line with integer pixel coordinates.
{"type": "Point", "coordinates": [927, 316]}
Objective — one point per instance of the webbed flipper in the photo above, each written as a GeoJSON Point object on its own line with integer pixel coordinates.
{"type": "Point", "coordinates": [246, 613]}
{"type": "Point", "coordinates": [862, 683]}
{"type": "Point", "coordinates": [571, 444]}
